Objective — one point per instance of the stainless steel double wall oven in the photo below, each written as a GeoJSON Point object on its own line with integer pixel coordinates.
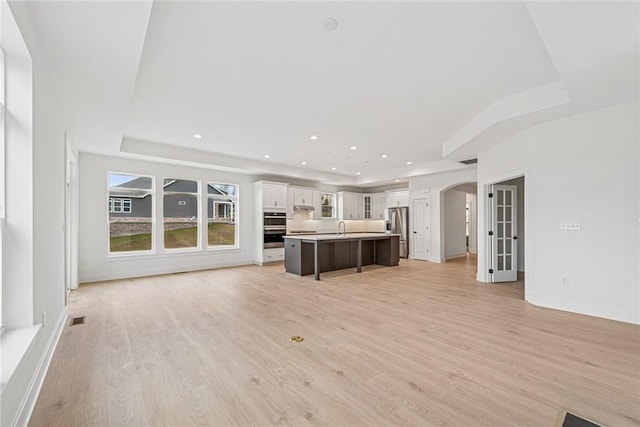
{"type": "Point", "coordinates": [275, 228]}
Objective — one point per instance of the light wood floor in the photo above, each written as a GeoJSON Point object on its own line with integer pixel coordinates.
{"type": "Point", "coordinates": [418, 344]}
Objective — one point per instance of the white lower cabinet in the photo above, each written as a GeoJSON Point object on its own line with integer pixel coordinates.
{"type": "Point", "coordinates": [272, 255]}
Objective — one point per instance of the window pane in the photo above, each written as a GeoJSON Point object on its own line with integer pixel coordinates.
{"type": "Point", "coordinates": [221, 189]}
{"type": "Point", "coordinates": [222, 212]}
{"type": "Point", "coordinates": [130, 217]}
{"type": "Point", "coordinates": [180, 211]}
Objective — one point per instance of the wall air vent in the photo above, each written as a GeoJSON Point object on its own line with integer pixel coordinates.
{"type": "Point", "coordinates": [469, 162]}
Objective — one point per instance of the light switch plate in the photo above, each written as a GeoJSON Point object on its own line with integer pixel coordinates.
{"type": "Point", "coordinates": [574, 226]}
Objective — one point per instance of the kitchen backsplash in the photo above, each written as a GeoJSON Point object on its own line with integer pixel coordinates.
{"type": "Point", "coordinates": [331, 225]}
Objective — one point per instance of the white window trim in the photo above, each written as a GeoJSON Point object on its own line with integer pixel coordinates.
{"type": "Point", "coordinates": [199, 242]}
{"type": "Point", "coordinates": [150, 192]}
{"type": "Point", "coordinates": [236, 200]}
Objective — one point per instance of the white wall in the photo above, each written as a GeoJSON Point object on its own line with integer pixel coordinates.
{"type": "Point", "coordinates": [97, 264]}
{"type": "Point", "coordinates": [455, 244]}
{"type": "Point", "coordinates": [35, 217]}
{"type": "Point", "coordinates": [584, 169]}
{"type": "Point", "coordinates": [472, 200]}
{"type": "Point", "coordinates": [433, 186]}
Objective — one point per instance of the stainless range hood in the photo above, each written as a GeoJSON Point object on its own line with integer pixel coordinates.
{"type": "Point", "coordinates": [306, 208]}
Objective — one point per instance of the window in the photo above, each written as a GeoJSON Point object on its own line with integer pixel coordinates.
{"type": "Point", "coordinates": [2, 188]}
{"type": "Point", "coordinates": [119, 205]}
{"type": "Point", "coordinates": [222, 211]}
{"type": "Point", "coordinates": [180, 211]}
{"type": "Point", "coordinates": [130, 212]}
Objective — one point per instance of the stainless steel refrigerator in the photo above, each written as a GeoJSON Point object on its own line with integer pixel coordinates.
{"type": "Point", "coordinates": [399, 221]}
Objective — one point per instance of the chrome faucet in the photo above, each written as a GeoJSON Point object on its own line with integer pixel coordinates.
{"type": "Point", "coordinates": [342, 227]}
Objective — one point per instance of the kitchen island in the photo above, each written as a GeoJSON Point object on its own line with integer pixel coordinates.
{"type": "Point", "coordinates": [315, 254]}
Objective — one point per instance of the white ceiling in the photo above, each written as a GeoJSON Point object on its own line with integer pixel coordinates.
{"type": "Point", "coordinates": [404, 79]}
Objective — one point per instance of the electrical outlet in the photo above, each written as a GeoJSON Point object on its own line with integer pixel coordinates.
{"type": "Point", "coordinates": [564, 280]}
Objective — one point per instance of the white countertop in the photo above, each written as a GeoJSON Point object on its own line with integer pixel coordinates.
{"type": "Point", "coordinates": [339, 237]}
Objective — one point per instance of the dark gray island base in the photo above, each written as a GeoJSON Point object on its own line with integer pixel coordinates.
{"type": "Point", "coordinates": [316, 254]}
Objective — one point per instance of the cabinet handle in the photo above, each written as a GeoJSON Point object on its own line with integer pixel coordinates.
{"type": "Point", "coordinates": [275, 203]}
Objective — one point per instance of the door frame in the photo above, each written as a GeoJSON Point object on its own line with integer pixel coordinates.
{"type": "Point", "coordinates": [413, 243]}
{"type": "Point", "coordinates": [71, 220]}
{"type": "Point", "coordinates": [484, 261]}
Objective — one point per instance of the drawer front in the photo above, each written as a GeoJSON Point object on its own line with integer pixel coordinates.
{"type": "Point", "coordinates": [272, 255]}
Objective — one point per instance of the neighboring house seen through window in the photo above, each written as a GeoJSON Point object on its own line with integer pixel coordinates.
{"type": "Point", "coordinates": [180, 210]}
{"type": "Point", "coordinates": [119, 205]}
{"type": "Point", "coordinates": [222, 210]}
{"type": "Point", "coordinates": [130, 212]}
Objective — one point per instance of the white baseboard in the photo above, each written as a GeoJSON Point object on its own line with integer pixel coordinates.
{"type": "Point", "coordinates": [127, 274]}
{"type": "Point", "coordinates": [453, 256]}
{"type": "Point", "coordinates": [33, 391]}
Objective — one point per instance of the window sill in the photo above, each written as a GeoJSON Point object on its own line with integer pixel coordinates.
{"type": "Point", "coordinates": [14, 345]}
{"type": "Point", "coordinates": [171, 253]}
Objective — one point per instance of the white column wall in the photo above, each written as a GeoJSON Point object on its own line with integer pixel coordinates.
{"type": "Point", "coordinates": [433, 186]}
{"type": "Point", "coordinates": [579, 169]}
{"type": "Point", "coordinates": [454, 224]}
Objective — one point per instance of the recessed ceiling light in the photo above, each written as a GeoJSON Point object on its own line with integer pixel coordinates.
{"type": "Point", "coordinates": [353, 147]}
{"type": "Point", "coordinates": [409, 162]}
{"type": "Point", "coordinates": [266, 156]}
{"type": "Point", "coordinates": [313, 137]}
{"type": "Point", "coordinates": [357, 173]}
{"type": "Point", "coordinates": [384, 156]}
{"type": "Point", "coordinates": [303, 163]}
{"type": "Point", "coordinates": [333, 169]}
{"type": "Point", "coordinates": [197, 136]}
{"type": "Point", "coordinates": [397, 180]}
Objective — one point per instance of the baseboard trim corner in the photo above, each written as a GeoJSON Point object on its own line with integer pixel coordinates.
{"type": "Point", "coordinates": [33, 391]}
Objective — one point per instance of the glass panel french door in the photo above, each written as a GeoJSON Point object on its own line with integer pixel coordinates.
{"type": "Point", "coordinates": [504, 247]}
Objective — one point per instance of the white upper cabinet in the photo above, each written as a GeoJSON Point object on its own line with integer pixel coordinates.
{"type": "Point", "coordinates": [398, 198]}
{"type": "Point", "coordinates": [378, 205]}
{"type": "Point", "coordinates": [274, 196]}
{"type": "Point", "coordinates": [302, 196]}
{"type": "Point", "coordinates": [349, 205]}
{"type": "Point", "coordinates": [373, 205]}
{"type": "Point", "coordinates": [317, 204]}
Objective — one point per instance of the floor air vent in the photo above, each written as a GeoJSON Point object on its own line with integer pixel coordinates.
{"type": "Point", "coordinates": [571, 420]}
{"type": "Point", "coordinates": [77, 321]}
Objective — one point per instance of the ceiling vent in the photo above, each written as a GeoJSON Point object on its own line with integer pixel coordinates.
{"type": "Point", "coordinates": [469, 162]}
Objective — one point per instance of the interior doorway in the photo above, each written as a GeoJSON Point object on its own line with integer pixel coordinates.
{"type": "Point", "coordinates": [421, 227]}
{"type": "Point", "coordinates": [506, 225]}
{"type": "Point", "coordinates": [459, 228]}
